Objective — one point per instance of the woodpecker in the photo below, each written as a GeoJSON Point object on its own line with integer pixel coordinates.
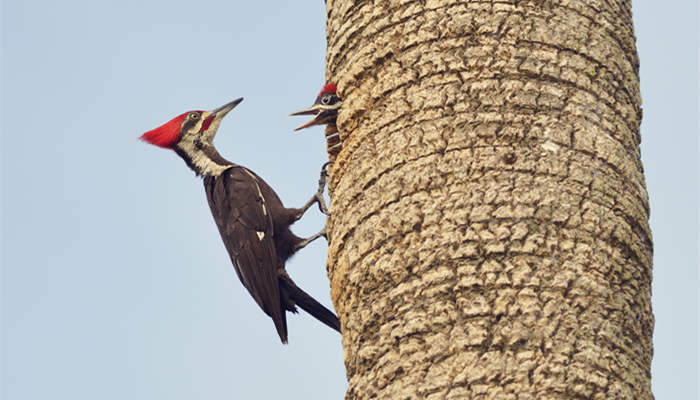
{"type": "Point", "coordinates": [325, 109]}
{"type": "Point", "coordinates": [252, 221]}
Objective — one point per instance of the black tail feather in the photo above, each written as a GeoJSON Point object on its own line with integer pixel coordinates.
{"type": "Point", "coordinates": [309, 304]}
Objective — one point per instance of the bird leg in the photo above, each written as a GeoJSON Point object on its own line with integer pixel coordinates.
{"type": "Point", "coordinates": [318, 196]}
{"type": "Point", "coordinates": [305, 242]}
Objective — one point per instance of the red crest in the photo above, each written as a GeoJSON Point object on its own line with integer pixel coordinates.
{"type": "Point", "coordinates": [167, 134]}
{"type": "Point", "coordinates": [328, 88]}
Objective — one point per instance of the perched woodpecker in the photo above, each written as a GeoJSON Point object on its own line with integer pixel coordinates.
{"type": "Point", "coordinates": [325, 109]}
{"type": "Point", "coordinates": [252, 221]}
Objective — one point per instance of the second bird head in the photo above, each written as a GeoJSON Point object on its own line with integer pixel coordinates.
{"type": "Point", "coordinates": [325, 108]}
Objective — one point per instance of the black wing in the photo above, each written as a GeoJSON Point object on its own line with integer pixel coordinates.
{"type": "Point", "coordinates": [246, 228]}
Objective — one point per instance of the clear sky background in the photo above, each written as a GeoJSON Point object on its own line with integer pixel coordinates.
{"type": "Point", "coordinates": [115, 283]}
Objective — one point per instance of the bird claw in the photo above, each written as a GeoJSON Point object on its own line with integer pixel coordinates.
{"type": "Point", "coordinates": [305, 242]}
{"type": "Point", "coordinates": [322, 205]}
{"type": "Point", "coordinates": [321, 187]}
{"type": "Point", "coordinates": [317, 197]}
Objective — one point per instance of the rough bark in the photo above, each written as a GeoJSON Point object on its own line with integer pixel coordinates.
{"type": "Point", "coordinates": [489, 234]}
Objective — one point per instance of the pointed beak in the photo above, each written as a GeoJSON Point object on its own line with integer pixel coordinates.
{"type": "Point", "coordinates": [320, 118]}
{"type": "Point", "coordinates": [212, 120]}
{"type": "Point", "coordinates": [315, 121]}
{"type": "Point", "coordinates": [223, 110]}
{"type": "Point", "coordinates": [307, 111]}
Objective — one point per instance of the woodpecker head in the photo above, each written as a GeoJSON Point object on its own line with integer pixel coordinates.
{"type": "Point", "coordinates": [325, 108]}
{"type": "Point", "coordinates": [191, 135]}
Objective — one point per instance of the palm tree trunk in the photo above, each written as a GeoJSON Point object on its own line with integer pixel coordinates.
{"type": "Point", "coordinates": [489, 234]}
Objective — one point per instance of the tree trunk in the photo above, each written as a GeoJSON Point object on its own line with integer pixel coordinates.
{"type": "Point", "coordinates": [489, 234]}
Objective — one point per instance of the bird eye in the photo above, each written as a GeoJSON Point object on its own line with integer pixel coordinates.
{"type": "Point", "coordinates": [194, 116]}
{"type": "Point", "coordinates": [326, 100]}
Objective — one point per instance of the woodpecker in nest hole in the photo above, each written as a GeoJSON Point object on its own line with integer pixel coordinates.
{"type": "Point", "coordinates": [325, 110]}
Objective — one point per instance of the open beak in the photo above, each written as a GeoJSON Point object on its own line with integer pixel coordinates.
{"type": "Point", "coordinates": [320, 118]}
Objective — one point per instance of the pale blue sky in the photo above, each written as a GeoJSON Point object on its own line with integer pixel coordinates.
{"type": "Point", "coordinates": [115, 284]}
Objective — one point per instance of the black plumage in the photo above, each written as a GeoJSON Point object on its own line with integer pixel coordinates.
{"type": "Point", "coordinates": [254, 226]}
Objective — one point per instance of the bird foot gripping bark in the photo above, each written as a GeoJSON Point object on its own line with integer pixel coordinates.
{"type": "Point", "coordinates": [322, 180]}
{"type": "Point", "coordinates": [306, 242]}
{"type": "Point", "coordinates": [317, 198]}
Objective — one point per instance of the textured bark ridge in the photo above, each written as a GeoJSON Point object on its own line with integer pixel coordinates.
{"type": "Point", "coordinates": [489, 235]}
